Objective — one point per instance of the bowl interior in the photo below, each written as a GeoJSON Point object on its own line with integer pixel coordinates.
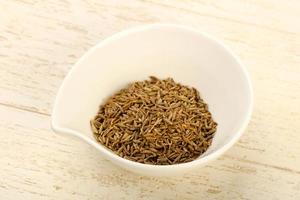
{"type": "Point", "coordinates": [187, 56]}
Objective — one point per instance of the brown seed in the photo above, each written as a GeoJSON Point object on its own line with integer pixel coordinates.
{"type": "Point", "coordinates": [156, 122]}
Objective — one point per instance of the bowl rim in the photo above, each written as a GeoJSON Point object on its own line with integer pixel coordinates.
{"type": "Point", "coordinates": [115, 157]}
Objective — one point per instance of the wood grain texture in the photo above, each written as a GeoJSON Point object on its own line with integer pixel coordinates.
{"type": "Point", "coordinates": [41, 40]}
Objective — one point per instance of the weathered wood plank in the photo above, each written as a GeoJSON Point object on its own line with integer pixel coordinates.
{"type": "Point", "coordinates": [35, 164]}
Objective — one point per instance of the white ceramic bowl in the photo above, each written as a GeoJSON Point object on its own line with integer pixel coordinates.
{"type": "Point", "coordinates": [189, 56]}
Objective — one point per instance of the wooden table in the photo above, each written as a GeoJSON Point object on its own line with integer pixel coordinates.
{"type": "Point", "coordinates": [41, 40]}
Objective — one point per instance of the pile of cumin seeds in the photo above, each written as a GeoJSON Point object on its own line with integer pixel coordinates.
{"type": "Point", "coordinates": [155, 121]}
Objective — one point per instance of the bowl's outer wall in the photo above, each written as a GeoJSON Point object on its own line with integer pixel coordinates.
{"type": "Point", "coordinates": [163, 51]}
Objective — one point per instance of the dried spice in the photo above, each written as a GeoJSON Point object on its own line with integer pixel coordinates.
{"type": "Point", "coordinates": [155, 121]}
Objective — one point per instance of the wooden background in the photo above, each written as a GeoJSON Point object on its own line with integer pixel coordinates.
{"type": "Point", "coordinates": [41, 40]}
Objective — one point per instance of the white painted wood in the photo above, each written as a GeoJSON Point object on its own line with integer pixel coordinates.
{"type": "Point", "coordinates": [41, 40]}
